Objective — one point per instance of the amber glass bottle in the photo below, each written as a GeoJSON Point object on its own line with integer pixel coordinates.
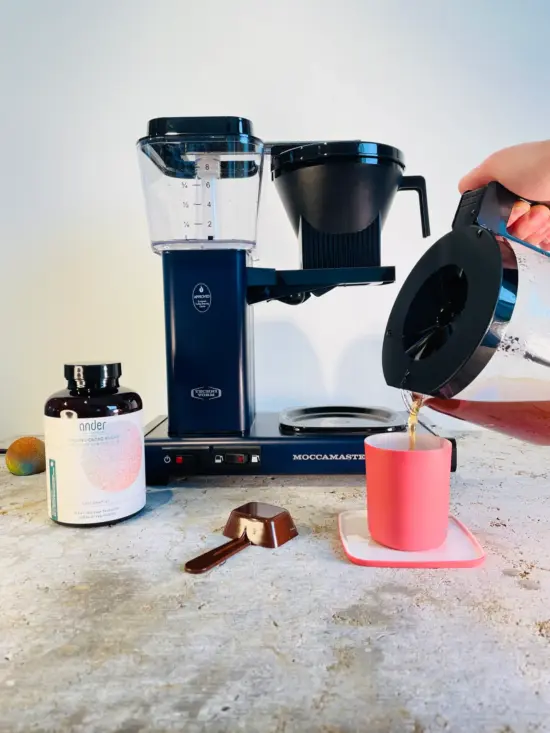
{"type": "Point", "coordinates": [95, 462]}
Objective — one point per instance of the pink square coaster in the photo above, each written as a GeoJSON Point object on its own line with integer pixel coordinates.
{"type": "Point", "coordinates": [460, 549]}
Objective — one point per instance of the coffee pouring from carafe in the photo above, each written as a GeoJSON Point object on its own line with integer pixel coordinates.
{"type": "Point", "coordinates": [470, 328]}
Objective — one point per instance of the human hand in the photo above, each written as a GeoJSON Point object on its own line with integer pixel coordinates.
{"type": "Point", "coordinates": [524, 170]}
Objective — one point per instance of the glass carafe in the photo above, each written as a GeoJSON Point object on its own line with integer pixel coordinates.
{"type": "Point", "coordinates": [470, 328]}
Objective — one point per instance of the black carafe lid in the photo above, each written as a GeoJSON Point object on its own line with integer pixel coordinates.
{"type": "Point", "coordinates": [441, 330]}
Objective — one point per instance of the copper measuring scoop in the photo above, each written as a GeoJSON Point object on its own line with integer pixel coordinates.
{"type": "Point", "coordinates": [254, 523]}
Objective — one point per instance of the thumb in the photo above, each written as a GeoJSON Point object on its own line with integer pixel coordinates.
{"type": "Point", "coordinates": [478, 177]}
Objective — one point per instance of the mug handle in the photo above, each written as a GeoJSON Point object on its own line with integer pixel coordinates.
{"type": "Point", "coordinates": [418, 184]}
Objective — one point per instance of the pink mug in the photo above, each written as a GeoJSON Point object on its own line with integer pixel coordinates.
{"type": "Point", "coordinates": [408, 491]}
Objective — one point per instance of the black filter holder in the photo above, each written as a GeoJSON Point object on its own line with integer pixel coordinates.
{"type": "Point", "coordinates": [337, 196]}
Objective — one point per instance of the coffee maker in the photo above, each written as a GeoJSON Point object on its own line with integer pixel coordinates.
{"type": "Point", "coordinates": [202, 180]}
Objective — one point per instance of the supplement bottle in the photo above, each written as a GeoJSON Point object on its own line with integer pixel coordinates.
{"type": "Point", "coordinates": [95, 457]}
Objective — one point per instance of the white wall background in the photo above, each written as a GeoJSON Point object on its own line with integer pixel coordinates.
{"type": "Point", "coordinates": [447, 82]}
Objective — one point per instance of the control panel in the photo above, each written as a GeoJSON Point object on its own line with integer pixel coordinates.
{"type": "Point", "coordinates": [211, 460]}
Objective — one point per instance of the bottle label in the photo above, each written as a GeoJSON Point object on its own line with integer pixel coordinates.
{"type": "Point", "coordinates": [95, 467]}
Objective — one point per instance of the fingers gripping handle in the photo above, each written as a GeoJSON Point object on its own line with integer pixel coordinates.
{"type": "Point", "coordinates": [488, 207]}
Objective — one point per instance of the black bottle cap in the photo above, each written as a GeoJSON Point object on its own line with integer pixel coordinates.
{"type": "Point", "coordinates": [92, 372]}
{"type": "Point", "coordinates": [217, 126]}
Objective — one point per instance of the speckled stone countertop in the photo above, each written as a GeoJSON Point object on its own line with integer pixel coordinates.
{"type": "Point", "coordinates": [101, 631]}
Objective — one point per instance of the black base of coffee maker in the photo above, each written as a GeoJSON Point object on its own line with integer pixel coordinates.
{"type": "Point", "coordinates": [271, 448]}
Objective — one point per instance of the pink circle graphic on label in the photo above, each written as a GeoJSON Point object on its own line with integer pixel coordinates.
{"type": "Point", "coordinates": [112, 460]}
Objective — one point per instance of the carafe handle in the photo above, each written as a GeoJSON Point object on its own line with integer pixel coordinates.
{"type": "Point", "coordinates": [490, 207]}
{"type": "Point", "coordinates": [418, 184]}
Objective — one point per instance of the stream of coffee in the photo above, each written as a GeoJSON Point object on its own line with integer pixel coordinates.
{"type": "Point", "coordinates": [412, 421]}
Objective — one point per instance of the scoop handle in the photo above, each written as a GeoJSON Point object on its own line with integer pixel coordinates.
{"type": "Point", "coordinates": [210, 559]}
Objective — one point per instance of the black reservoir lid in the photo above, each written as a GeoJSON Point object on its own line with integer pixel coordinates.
{"type": "Point", "coordinates": [318, 152]}
{"type": "Point", "coordinates": [214, 126]}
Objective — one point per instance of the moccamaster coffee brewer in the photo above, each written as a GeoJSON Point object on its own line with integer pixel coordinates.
{"type": "Point", "coordinates": [470, 328]}
{"type": "Point", "coordinates": [202, 182]}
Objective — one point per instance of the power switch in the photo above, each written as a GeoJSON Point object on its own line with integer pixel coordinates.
{"type": "Point", "coordinates": [185, 459]}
